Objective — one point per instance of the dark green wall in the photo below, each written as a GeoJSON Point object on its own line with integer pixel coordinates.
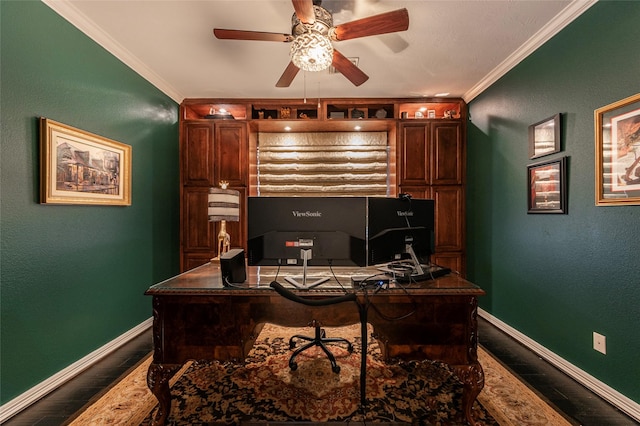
{"type": "Point", "coordinates": [73, 277]}
{"type": "Point", "coordinates": [559, 278]}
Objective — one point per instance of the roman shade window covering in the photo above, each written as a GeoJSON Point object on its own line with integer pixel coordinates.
{"type": "Point", "coordinates": [323, 164]}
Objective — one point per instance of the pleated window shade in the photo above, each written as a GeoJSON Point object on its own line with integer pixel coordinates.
{"type": "Point", "coordinates": [323, 164]}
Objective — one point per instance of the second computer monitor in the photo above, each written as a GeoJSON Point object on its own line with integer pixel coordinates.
{"type": "Point", "coordinates": [397, 224]}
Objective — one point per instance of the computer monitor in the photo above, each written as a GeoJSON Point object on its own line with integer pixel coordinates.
{"type": "Point", "coordinates": [400, 228]}
{"type": "Point", "coordinates": [307, 231]}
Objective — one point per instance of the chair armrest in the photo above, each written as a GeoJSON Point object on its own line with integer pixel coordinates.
{"type": "Point", "coordinates": [288, 294]}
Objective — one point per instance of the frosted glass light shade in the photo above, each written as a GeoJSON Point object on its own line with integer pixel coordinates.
{"type": "Point", "coordinates": [312, 51]}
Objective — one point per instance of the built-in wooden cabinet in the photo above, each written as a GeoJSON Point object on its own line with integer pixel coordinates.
{"type": "Point", "coordinates": [432, 164]}
{"type": "Point", "coordinates": [211, 151]}
{"type": "Point", "coordinates": [218, 139]}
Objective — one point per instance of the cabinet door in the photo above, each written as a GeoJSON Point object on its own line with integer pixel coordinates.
{"type": "Point", "coordinates": [413, 161]}
{"type": "Point", "coordinates": [453, 260]}
{"type": "Point", "coordinates": [197, 153]}
{"type": "Point", "coordinates": [196, 229]}
{"type": "Point", "coordinates": [231, 146]}
{"type": "Point", "coordinates": [193, 260]}
{"type": "Point", "coordinates": [449, 218]}
{"type": "Point", "coordinates": [447, 165]}
{"type": "Point", "coordinates": [416, 191]}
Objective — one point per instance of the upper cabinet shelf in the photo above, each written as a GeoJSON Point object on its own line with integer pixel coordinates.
{"type": "Point", "coordinates": [445, 108]}
{"type": "Point", "coordinates": [359, 111]}
{"type": "Point", "coordinates": [271, 114]}
{"type": "Point", "coordinates": [284, 112]}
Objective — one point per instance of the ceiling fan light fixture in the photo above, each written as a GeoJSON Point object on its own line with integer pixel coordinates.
{"type": "Point", "coordinates": [312, 51]}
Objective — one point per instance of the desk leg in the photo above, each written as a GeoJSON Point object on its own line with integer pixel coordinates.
{"type": "Point", "coordinates": [158, 377]}
{"type": "Point", "coordinates": [472, 378]}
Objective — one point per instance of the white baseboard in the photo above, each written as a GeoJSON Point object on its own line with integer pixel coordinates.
{"type": "Point", "coordinates": [24, 400]}
{"type": "Point", "coordinates": [607, 393]}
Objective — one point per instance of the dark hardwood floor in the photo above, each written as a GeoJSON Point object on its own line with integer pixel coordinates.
{"type": "Point", "coordinates": [580, 405]}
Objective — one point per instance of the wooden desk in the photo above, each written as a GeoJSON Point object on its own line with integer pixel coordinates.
{"type": "Point", "coordinates": [196, 318]}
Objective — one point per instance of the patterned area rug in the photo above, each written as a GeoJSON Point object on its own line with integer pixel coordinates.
{"type": "Point", "coordinates": [264, 389]}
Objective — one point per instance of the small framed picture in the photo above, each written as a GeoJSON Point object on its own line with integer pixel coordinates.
{"type": "Point", "coordinates": [617, 129]}
{"type": "Point", "coordinates": [431, 113]}
{"type": "Point", "coordinates": [419, 114]}
{"type": "Point", "coordinates": [544, 137]}
{"type": "Point", "coordinates": [547, 186]}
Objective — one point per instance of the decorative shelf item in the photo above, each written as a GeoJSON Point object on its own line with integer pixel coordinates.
{"type": "Point", "coordinates": [357, 113]}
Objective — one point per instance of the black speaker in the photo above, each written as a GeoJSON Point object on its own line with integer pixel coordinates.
{"type": "Point", "coordinates": [232, 267]}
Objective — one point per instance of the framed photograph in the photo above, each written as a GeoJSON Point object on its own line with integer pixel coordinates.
{"type": "Point", "coordinates": [544, 137]}
{"type": "Point", "coordinates": [547, 186]}
{"type": "Point", "coordinates": [78, 167]}
{"type": "Point", "coordinates": [617, 128]}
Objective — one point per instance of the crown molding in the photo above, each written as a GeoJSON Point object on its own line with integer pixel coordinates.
{"type": "Point", "coordinates": [553, 27]}
{"type": "Point", "coordinates": [76, 18]}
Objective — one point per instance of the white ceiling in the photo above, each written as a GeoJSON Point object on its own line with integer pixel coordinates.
{"type": "Point", "coordinates": [456, 47]}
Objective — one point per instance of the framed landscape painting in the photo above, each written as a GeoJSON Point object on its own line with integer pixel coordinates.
{"type": "Point", "coordinates": [78, 167]}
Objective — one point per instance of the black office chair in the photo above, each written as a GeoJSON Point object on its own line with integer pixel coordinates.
{"type": "Point", "coordinates": [320, 339]}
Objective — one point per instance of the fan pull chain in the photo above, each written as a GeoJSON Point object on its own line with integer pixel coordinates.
{"type": "Point", "coordinates": [304, 77]}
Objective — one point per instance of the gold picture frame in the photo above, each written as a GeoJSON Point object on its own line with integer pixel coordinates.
{"type": "Point", "coordinates": [617, 136]}
{"type": "Point", "coordinates": [78, 167]}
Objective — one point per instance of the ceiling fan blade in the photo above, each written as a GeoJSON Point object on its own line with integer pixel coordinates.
{"type": "Point", "coordinates": [348, 69]}
{"type": "Point", "coordinates": [288, 75]}
{"type": "Point", "coordinates": [304, 11]}
{"type": "Point", "coordinates": [389, 22]}
{"type": "Point", "coordinates": [250, 35]}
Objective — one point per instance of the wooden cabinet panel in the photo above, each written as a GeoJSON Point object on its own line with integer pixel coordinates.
{"type": "Point", "coordinates": [196, 229]}
{"type": "Point", "coordinates": [413, 161]}
{"type": "Point", "coordinates": [197, 153]}
{"type": "Point", "coordinates": [193, 260]}
{"type": "Point", "coordinates": [453, 260]}
{"type": "Point", "coordinates": [231, 148]}
{"type": "Point", "coordinates": [449, 203]}
{"type": "Point", "coordinates": [447, 165]}
{"type": "Point", "coordinates": [416, 191]}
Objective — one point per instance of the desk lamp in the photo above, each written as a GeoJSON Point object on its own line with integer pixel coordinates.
{"type": "Point", "coordinates": [224, 205]}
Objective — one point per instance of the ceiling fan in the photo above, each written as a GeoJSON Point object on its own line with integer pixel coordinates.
{"type": "Point", "coordinates": [312, 33]}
